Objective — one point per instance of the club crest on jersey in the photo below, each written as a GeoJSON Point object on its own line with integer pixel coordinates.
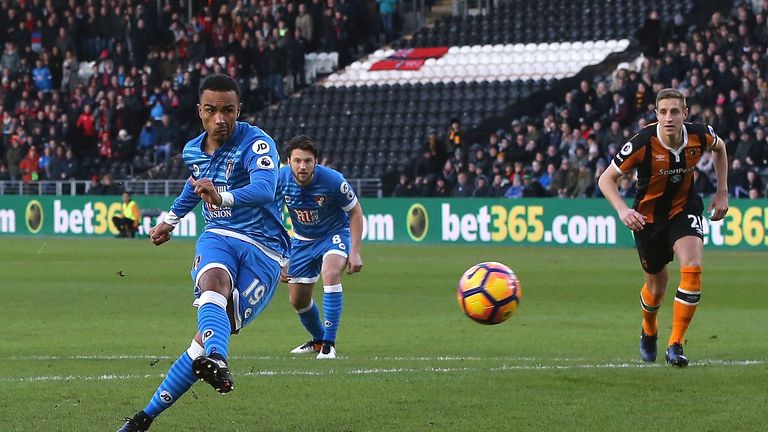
{"type": "Point", "coordinates": [320, 200]}
{"type": "Point", "coordinates": [195, 170]}
{"type": "Point", "coordinates": [260, 147]}
{"type": "Point", "coordinates": [712, 132]}
{"type": "Point", "coordinates": [230, 165]}
{"type": "Point", "coordinates": [287, 199]}
{"type": "Point", "coordinates": [265, 162]}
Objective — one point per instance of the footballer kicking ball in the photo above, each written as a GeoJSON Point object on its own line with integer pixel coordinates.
{"type": "Point", "coordinates": [489, 293]}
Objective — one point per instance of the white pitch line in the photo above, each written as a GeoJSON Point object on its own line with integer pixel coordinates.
{"type": "Point", "coordinates": [293, 357]}
{"type": "Point", "coordinates": [382, 371]}
{"type": "Point", "coordinates": [702, 362]}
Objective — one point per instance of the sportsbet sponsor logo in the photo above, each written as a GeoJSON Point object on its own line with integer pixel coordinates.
{"type": "Point", "coordinates": [520, 223]}
{"type": "Point", "coordinates": [92, 218]}
{"type": "Point", "coordinates": [95, 217]}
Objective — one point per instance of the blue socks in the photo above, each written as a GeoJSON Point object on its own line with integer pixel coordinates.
{"type": "Point", "coordinates": [178, 380]}
{"type": "Point", "coordinates": [310, 319]}
{"type": "Point", "coordinates": [332, 302]}
{"type": "Point", "coordinates": [213, 323]}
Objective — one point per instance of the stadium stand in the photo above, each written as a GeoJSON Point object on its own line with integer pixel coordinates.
{"type": "Point", "coordinates": [512, 82]}
{"type": "Point", "coordinates": [99, 77]}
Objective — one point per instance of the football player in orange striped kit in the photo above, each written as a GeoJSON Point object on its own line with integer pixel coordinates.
{"type": "Point", "coordinates": [666, 217]}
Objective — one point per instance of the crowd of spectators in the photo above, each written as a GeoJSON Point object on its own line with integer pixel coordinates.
{"type": "Point", "coordinates": [722, 68]}
{"type": "Point", "coordinates": [90, 87]}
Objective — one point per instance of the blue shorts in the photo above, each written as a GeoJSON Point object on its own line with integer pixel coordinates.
{"type": "Point", "coordinates": [253, 274]}
{"type": "Point", "coordinates": [307, 255]}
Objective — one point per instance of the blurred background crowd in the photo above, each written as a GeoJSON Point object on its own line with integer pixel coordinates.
{"type": "Point", "coordinates": [110, 87]}
{"type": "Point", "coordinates": [722, 69]}
{"type": "Point", "coordinates": [93, 89]}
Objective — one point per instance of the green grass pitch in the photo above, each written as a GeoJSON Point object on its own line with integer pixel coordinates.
{"type": "Point", "coordinates": [89, 326]}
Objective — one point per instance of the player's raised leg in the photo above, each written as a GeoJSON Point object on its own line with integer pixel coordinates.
{"type": "Point", "coordinates": [333, 266]}
{"type": "Point", "coordinates": [214, 325]}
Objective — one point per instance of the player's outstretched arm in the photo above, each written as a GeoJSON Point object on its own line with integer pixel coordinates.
{"type": "Point", "coordinates": [608, 184]}
{"type": "Point", "coordinates": [355, 260]}
{"type": "Point", "coordinates": [185, 202]}
{"type": "Point", "coordinates": [207, 192]}
{"type": "Point", "coordinates": [161, 233]}
{"type": "Point", "coordinates": [718, 207]}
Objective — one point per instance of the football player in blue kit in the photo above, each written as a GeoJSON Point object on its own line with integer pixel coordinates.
{"type": "Point", "coordinates": [328, 226]}
{"type": "Point", "coordinates": [239, 255]}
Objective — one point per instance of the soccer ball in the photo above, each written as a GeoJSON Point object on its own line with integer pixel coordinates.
{"type": "Point", "coordinates": [489, 293]}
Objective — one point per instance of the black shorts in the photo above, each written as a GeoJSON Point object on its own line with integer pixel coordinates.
{"type": "Point", "coordinates": [654, 243]}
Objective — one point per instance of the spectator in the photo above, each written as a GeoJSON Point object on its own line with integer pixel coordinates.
{"type": "Point", "coordinates": [304, 23]}
{"type": "Point", "coordinates": [87, 128]}
{"type": "Point", "coordinates": [441, 188]}
{"type": "Point", "coordinates": [387, 11]}
{"type": "Point", "coordinates": [649, 33]}
{"type": "Point", "coordinates": [10, 59]}
{"type": "Point", "coordinates": [108, 186]}
{"type": "Point", "coordinates": [4, 175]}
{"type": "Point", "coordinates": [123, 146]}
{"type": "Point", "coordinates": [94, 187]}
{"type": "Point", "coordinates": [275, 70]}
{"type": "Point", "coordinates": [702, 184]}
{"type": "Point", "coordinates": [404, 187]}
{"type": "Point", "coordinates": [499, 186]}
{"type": "Point", "coordinates": [585, 181]}
{"type": "Point", "coordinates": [482, 189]}
{"type": "Point", "coordinates": [426, 165]}
{"type": "Point", "coordinates": [44, 163]}
{"type": "Point", "coordinates": [627, 188]}
{"type": "Point", "coordinates": [105, 186]}
{"type": "Point", "coordinates": [147, 138]}
{"type": "Point", "coordinates": [13, 157]}
{"type": "Point", "coordinates": [167, 139]}
{"type": "Point", "coordinates": [57, 165]}
{"type": "Point", "coordinates": [546, 178]}
{"type": "Point", "coordinates": [751, 180]}
{"type": "Point", "coordinates": [29, 166]}
{"type": "Point", "coordinates": [327, 31]}
{"type": "Point", "coordinates": [127, 222]}
{"type": "Point", "coordinates": [71, 165]}
{"type": "Point", "coordinates": [516, 187]}
{"type": "Point", "coordinates": [423, 186]}
{"type": "Point", "coordinates": [42, 77]}
{"type": "Point", "coordinates": [463, 187]}
{"type": "Point", "coordinates": [296, 48]}
{"type": "Point", "coordinates": [532, 188]}
{"type": "Point", "coordinates": [563, 181]}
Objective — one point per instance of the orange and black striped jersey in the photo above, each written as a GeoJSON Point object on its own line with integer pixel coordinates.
{"type": "Point", "coordinates": [664, 174]}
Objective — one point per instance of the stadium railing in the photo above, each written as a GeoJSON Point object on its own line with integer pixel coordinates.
{"type": "Point", "coordinates": [365, 187]}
